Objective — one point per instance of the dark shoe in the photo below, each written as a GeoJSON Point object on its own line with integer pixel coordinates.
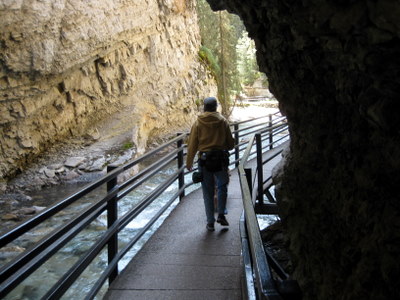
{"type": "Point", "coordinates": [222, 220]}
{"type": "Point", "coordinates": [210, 227]}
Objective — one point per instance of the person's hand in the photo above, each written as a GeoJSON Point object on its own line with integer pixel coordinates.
{"type": "Point", "coordinates": [190, 168]}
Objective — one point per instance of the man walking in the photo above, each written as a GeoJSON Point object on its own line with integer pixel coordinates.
{"type": "Point", "coordinates": [212, 138]}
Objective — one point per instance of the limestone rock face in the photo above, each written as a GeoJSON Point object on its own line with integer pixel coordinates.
{"type": "Point", "coordinates": [334, 67]}
{"type": "Point", "coordinates": [65, 65]}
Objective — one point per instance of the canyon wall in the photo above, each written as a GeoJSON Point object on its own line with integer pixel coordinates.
{"type": "Point", "coordinates": [66, 65]}
{"type": "Point", "coordinates": [334, 66]}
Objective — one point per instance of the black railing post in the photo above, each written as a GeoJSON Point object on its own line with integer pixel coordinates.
{"type": "Point", "coordinates": [181, 177]}
{"type": "Point", "coordinates": [247, 171]}
{"type": "Point", "coordinates": [271, 135]}
{"type": "Point", "coordinates": [112, 216]}
{"type": "Point", "coordinates": [236, 130]}
{"type": "Point", "coordinates": [260, 180]}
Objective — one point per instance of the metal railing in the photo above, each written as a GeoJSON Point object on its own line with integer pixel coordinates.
{"type": "Point", "coordinates": [14, 272]}
{"type": "Point", "coordinates": [265, 278]}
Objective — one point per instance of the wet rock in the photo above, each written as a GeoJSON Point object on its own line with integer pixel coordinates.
{"type": "Point", "coordinates": [97, 165]}
{"type": "Point", "coordinates": [88, 177]}
{"type": "Point", "coordinates": [123, 158]}
{"type": "Point", "coordinates": [26, 211]}
{"type": "Point", "coordinates": [15, 198]}
{"type": "Point", "coordinates": [13, 249]}
{"type": "Point", "coordinates": [36, 183]}
{"type": "Point", "coordinates": [276, 243]}
{"type": "Point", "coordinates": [71, 175]}
{"type": "Point", "coordinates": [49, 173]}
{"type": "Point", "coordinates": [30, 292]}
{"type": "Point", "coordinates": [13, 203]}
{"type": "Point", "coordinates": [55, 166]}
{"type": "Point", "coordinates": [10, 251]}
{"type": "Point", "coordinates": [74, 162]}
{"type": "Point", "coordinates": [10, 217]}
{"type": "Point", "coordinates": [3, 187]}
{"type": "Point", "coordinates": [60, 170]}
{"type": "Point", "coordinates": [84, 165]}
{"type": "Point", "coordinates": [38, 208]}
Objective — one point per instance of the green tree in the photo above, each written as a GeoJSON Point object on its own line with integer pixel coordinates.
{"type": "Point", "coordinates": [220, 33]}
{"type": "Point", "coordinates": [247, 63]}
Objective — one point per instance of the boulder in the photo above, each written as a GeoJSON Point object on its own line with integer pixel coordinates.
{"type": "Point", "coordinates": [74, 162]}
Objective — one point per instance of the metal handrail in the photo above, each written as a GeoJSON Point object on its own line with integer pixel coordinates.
{"type": "Point", "coordinates": [258, 263]}
{"type": "Point", "coordinates": [263, 278]}
{"type": "Point", "coordinates": [19, 268]}
{"type": "Point", "coordinates": [25, 264]}
{"type": "Point", "coordinates": [47, 213]}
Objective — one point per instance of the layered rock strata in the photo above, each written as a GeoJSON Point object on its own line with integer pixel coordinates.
{"type": "Point", "coordinates": [334, 67]}
{"type": "Point", "coordinates": [65, 65]}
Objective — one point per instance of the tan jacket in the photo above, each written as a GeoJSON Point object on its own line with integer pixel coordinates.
{"type": "Point", "coordinates": [210, 131]}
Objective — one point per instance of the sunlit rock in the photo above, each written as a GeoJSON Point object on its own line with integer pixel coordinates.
{"type": "Point", "coordinates": [67, 65]}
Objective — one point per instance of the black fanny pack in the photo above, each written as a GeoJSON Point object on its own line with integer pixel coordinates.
{"type": "Point", "coordinates": [214, 160]}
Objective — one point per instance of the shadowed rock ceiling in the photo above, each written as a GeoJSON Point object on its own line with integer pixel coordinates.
{"type": "Point", "coordinates": [334, 66]}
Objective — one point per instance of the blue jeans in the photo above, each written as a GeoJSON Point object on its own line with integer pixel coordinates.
{"type": "Point", "coordinates": [207, 185]}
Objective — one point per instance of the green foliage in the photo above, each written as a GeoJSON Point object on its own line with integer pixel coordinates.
{"type": "Point", "coordinates": [198, 102]}
{"type": "Point", "coordinates": [228, 52]}
{"type": "Point", "coordinates": [127, 145]}
{"type": "Point", "coordinates": [210, 60]}
{"type": "Point", "coordinates": [265, 81]}
{"type": "Point", "coordinates": [247, 65]}
{"type": "Point", "coordinates": [220, 32]}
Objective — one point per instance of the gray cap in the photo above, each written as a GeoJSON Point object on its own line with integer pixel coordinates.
{"type": "Point", "coordinates": [210, 102]}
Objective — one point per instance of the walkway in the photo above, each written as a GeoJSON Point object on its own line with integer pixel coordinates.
{"type": "Point", "coordinates": [182, 260]}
